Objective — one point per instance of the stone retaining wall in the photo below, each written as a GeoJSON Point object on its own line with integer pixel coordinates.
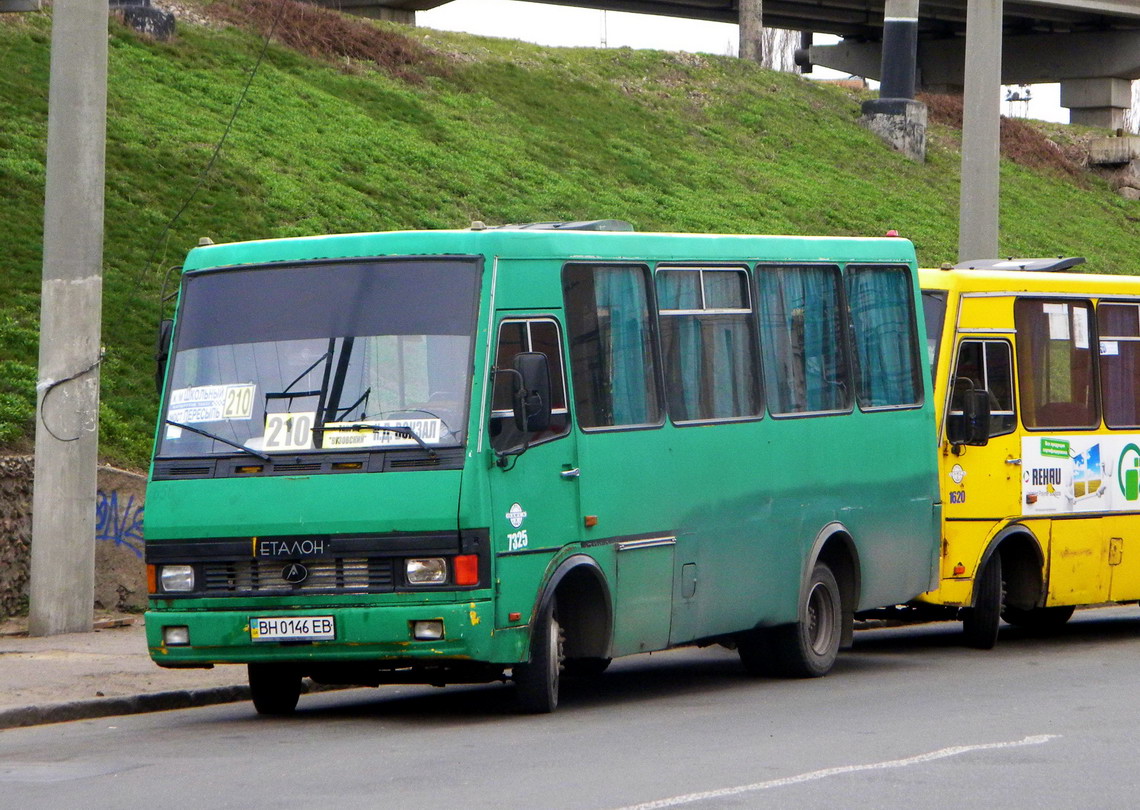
{"type": "Point", "coordinates": [120, 576]}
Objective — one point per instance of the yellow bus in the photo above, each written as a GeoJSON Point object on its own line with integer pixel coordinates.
{"type": "Point", "coordinates": [1037, 396]}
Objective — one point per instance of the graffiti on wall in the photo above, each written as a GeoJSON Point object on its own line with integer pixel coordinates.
{"type": "Point", "coordinates": [119, 521]}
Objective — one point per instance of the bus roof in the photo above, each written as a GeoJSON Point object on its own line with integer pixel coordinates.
{"type": "Point", "coordinates": [963, 280]}
{"type": "Point", "coordinates": [563, 243]}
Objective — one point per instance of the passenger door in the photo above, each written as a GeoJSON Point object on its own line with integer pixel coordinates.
{"type": "Point", "coordinates": [981, 482]}
{"type": "Point", "coordinates": [534, 493]}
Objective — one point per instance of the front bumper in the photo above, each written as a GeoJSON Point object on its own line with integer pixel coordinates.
{"type": "Point", "coordinates": [380, 634]}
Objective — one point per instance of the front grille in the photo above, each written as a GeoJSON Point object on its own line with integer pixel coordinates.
{"type": "Point", "coordinates": [294, 468]}
{"type": "Point", "coordinates": [325, 575]}
{"type": "Point", "coordinates": [199, 471]}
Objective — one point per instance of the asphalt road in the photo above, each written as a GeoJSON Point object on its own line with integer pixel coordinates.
{"type": "Point", "coordinates": [908, 719]}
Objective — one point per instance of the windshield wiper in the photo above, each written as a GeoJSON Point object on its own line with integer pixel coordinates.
{"type": "Point", "coordinates": [399, 430]}
{"type": "Point", "coordinates": [221, 439]}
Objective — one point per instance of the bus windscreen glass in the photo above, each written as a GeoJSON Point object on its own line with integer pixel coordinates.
{"type": "Point", "coordinates": [361, 355]}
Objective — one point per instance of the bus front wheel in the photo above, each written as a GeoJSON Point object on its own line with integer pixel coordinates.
{"type": "Point", "coordinates": [537, 682]}
{"type": "Point", "coordinates": [806, 649]}
{"type": "Point", "coordinates": [275, 689]}
{"type": "Point", "coordinates": [980, 623]}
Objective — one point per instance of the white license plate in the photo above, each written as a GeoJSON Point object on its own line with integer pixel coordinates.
{"type": "Point", "coordinates": [292, 628]}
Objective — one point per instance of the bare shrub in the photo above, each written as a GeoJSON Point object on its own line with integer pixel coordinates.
{"type": "Point", "coordinates": [1021, 141]}
{"type": "Point", "coordinates": [325, 34]}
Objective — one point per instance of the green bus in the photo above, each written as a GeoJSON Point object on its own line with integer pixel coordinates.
{"type": "Point", "coordinates": [518, 452]}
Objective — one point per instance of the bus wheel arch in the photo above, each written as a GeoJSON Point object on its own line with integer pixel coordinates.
{"type": "Point", "coordinates": [836, 549]}
{"type": "Point", "coordinates": [584, 606]}
{"type": "Point", "coordinates": [1022, 563]}
{"type": "Point", "coordinates": [807, 648]}
{"type": "Point", "coordinates": [571, 631]}
{"type": "Point", "coordinates": [1009, 574]}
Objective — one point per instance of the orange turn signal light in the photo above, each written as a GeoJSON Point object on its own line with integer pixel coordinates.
{"type": "Point", "coordinates": [151, 579]}
{"type": "Point", "coordinates": [467, 569]}
{"type": "Point", "coordinates": [959, 569]}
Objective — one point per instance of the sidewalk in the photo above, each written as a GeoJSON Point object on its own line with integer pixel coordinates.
{"type": "Point", "coordinates": [103, 673]}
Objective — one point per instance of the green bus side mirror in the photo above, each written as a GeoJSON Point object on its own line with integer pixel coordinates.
{"type": "Point", "coordinates": [530, 392]}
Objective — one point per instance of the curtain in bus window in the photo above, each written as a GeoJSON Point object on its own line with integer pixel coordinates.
{"type": "Point", "coordinates": [611, 345]}
{"type": "Point", "coordinates": [1055, 363]}
{"type": "Point", "coordinates": [879, 303]}
{"type": "Point", "coordinates": [800, 339]}
{"type": "Point", "coordinates": [1119, 328]}
{"type": "Point", "coordinates": [708, 344]}
{"type": "Point", "coordinates": [680, 341]}
{"type": "Point", "coordinates": [621, 295]}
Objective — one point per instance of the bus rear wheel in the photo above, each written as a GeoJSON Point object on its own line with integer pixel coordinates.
{"type": "Point", "coordinates": [806, 649]}
{"type": "Point", "coordinates": [980, 623]}
{"type": "Point", "coordinates": [537, 682]}
{"type": "Point", "coordinates": [275, 689]}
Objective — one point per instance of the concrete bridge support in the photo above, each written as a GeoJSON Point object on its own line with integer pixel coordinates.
{"type": "Point", "coordinates": [1097, 102]}
{"type": "Point", "coordinates": [895, 116]}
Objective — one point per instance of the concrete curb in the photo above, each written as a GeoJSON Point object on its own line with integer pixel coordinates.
{"type": "Point", "coordinates": [111, 707]}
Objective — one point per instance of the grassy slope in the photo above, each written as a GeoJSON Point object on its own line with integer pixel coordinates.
{"type": "Point", "coordinates": [479, 129]}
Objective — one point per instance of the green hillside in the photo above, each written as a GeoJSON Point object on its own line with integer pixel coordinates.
{"type": "Point", "coordinates": [351, 125]}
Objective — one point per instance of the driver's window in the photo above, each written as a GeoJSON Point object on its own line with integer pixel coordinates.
{"type": "Point", "coordinates": [986, 365]}
{"type": "Point", "coordinates": [515, 336]}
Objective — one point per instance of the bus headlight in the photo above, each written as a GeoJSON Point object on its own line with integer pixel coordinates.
{"type": "Point", "coordinates": [430, 630]}
{"type": "Point", "coordinates": [177, 578]}
{"type": "Point", "coordinates": [176, 635]}
{"type": "Point", "coordinates": [426, 571]}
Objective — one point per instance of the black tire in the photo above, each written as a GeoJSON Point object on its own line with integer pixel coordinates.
{"type": "Point", "coordinates": [275, 689]}
{"type": "Point", "coordinates": [980, 623]}
{"type": "Point", "coordinates": [806, 649]}
{"type": "Point", "coordinates": [584, 668]}
{"type": "Point", "coordinates": [1038, 618]}
{"type": "Point", "coordinates": [537, 682]}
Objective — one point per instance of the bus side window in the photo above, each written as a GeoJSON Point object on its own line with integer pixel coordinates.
{"type": "Point", "coordinates": [934, 313]}
{"type": "Point", "coordinates": [1055, 363]}
{"type": "Point", "coordinates": [1118, 325]}
{"type": "Point", "coordinates": [708, 343]}
{"type": "Point", "coordinates": [612, 345]}
{"type": "Point", "coordinates": [801, 327]}
{"type": "Point", "coordinates": [985, 365]}
{"type": "Point", "coordinates": [515, 337]}
{"type": "Point", "coordinates": [885, 336]}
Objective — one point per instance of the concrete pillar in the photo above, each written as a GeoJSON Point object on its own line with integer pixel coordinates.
{"type": "Point", "coordinates": [981, 132]}
{"type": "Point", "coordinates": [895, 116]}
{"type": "Point", "coordinates": [1097, 102]}
{"type": "Point", "coordinates": [62, 587]}
{"type": "Point", "coordinates": [751, 19]}
{"type": "Point", "coordinates": [900, 49]}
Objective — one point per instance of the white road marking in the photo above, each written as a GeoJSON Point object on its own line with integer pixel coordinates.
{"type": "Point", "coordinates": [811, 776]}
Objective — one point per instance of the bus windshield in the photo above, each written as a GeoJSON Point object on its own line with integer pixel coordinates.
{"type": "Point", "coordinates": [360, 355]}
